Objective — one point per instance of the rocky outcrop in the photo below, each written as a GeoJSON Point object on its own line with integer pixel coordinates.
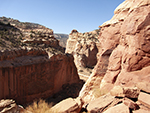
{"type": "Point", "coordinates": [35, 66]}
{"type": "Point", "coordinates": [84, 48]}
{"type": "Point", "coordinates": [124, 57]}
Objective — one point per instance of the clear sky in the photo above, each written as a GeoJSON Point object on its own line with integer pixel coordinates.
{"type": "Point", "coordinates": [61, 15]}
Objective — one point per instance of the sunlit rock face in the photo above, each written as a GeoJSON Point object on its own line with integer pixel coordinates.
{"type": "Point", "coordinates": [124, 57]}
{"type": "Point", "coordinates": [84, 48]}
{"type": "Point", "coordinates": [32, 64]}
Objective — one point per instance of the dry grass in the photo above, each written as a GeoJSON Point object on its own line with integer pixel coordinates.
{"type": "Point", "coordinates": [39, 107]}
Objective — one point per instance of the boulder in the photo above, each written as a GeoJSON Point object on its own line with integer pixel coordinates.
{"type": "Point", "coordinates": [144, 99]}
{"type": "Point", "coordinates": [100, 104]}
{"type": "Point", "coordinates": [120, 108]}
{"type": "Point", "coordinates": [68, 106]}
{"type": "Point", "coordinates": [130, 92]}
{"type": "Point", "coordinates": [141, 111]}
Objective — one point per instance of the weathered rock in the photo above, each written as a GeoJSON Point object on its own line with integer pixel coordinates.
{"type": "Point", "coordinates": [120, 108]}
{"type": "Point", "coordinates": [141, 111]}
{"type": "Point", "coordinates": [124, 54]}
{"type": "Point", "coordinates": [130, 92]}
{"type": "Point", "coordinates": [131, 104]}
{"type": "Point", "coordinates": [100, 104]}
{"type": "Point", "coordinates": [84, 47]}
{"type": "Point", "coordinates": [26, 74]}
{"type": "Point", "coordinates": [144, 99]}
{"type": "Point", "coordinates": [9, 106]}
{"type": "Point", "coordinates": [68, 106]}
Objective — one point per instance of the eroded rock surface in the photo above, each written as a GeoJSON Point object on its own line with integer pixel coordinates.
{"type": "Point", "coordinates": [84, 48]}
{"type": "Point", "coordinates": [32, 64]}
{"type": "Point", "coordinates": [124, 57]}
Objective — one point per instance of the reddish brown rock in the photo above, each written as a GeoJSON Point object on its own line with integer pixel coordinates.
{"type": "Point", "coordinates": [131, 104]}
{"type": "Point", "coordinates": [124, 54]}
{"type": "Point", "coordinates": [26, 75]}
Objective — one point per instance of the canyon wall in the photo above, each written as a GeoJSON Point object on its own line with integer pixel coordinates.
{"type": "Point", "coordinates": [124, 57]}
{"type": "Point", "coordinates": [32, 63]}
{"type": "Point", "coordinates": [26, 75]}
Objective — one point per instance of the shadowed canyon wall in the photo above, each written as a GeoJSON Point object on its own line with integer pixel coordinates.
{"type": "Point", "coordinates": [26, 75]}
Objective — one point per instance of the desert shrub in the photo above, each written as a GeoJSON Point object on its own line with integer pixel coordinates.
{"type": "Point", "coordinates": [40, 107]}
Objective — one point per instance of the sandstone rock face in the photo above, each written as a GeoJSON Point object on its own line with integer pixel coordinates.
{"type": "Point", "coordinates": [32, 64]}
{"type": "Point", "coordinates": [124, 57]}
{"type": "Point", "coordinates": [26, 74]}
{"type": "Point", "coordinates": [84, 48]}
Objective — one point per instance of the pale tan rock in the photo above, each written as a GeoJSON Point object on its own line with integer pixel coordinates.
{"type": "Point", "coordinates": [67, 106]}
{"type": "Point", "coordinates": [130, 92]}
{"type": "Point", "coordinates": [84, 48]}
{"type": "Point", "coordinates": [100, 103]}
{"type": "Point", "coordinates": [144, 99]}
{"type": "Point", "coordinates": [120, 108]}
{"type": "Point", "coordinates": [141, 111]}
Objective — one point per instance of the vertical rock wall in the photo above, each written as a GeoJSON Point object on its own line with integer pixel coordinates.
{"type": "Point", "coordinates": [32, 74]}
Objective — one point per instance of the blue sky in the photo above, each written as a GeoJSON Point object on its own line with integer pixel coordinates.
{"type": "Point", "coordinates": [61, 15]}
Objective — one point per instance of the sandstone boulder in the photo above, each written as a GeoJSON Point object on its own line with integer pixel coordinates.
{"type": "Point", "coordinates": [120, 108]}
{"type": "Point", "coordinates": [130, 92]}
{"type": "Point", "coordinates": [144, 99]}
{"type": "Point", "coordinates": [68, 106]}
{"type": "Point", "coordinates": [100, 104]}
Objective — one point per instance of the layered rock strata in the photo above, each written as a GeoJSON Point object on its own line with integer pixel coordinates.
{"type": "Point", "coordinates": [26, 75]}
{"type": "Point", "coordinates": [124, 57]}
{"type": "Point", "coordinates": [32, 64]}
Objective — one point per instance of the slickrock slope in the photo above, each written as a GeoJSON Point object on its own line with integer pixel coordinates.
{"type": "Point", "coordinates": [84, 48]}
{"type": "Point", "coordinates": [36, 66]}
{"type": "Point", "coordinates": [124, 57]}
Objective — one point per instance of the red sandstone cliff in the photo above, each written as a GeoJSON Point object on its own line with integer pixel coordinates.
{"type": "Point", "coordinates": [125, 51]}
{"type": "Point", "coordinates": [32, 64]}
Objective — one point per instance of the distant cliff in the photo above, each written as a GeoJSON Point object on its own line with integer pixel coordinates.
{"type": "Point", "coordinates": [84, 48]}
{"type": "Point", "coordinates": [62, 39]}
